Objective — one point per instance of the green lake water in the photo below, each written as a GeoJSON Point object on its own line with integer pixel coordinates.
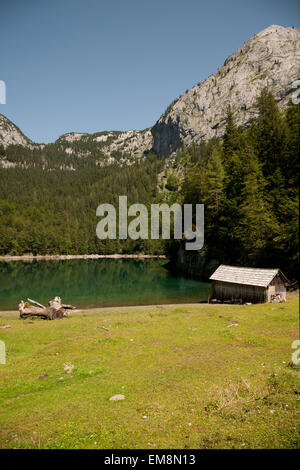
{"type": "Point", "coordinates": [96, 283]}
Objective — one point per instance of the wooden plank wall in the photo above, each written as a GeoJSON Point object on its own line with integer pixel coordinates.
{"type": "Point", "coordinates": [277, 286]}
{"type": "Point", "coordinates": [228, 291]}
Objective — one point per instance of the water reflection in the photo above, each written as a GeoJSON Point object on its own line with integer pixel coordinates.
{"type": "Point", "coordinates": [96, 283]}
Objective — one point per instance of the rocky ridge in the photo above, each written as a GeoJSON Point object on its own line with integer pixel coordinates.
{"type": "Point", "coordinates": [129, 143]}
{"type": "Point", "coordinates": [10, 134]}
{"type": "Point", "coordinates": [270, 59]}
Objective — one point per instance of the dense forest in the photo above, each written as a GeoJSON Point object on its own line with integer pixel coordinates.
{"type": "Point", "coordinates": [53, 210]}
{"type": "Point", "coordinates": [248, 182]}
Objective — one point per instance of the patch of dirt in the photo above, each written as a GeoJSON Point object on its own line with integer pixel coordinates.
{"type": "Point", "coordinates": [43, 376]}
{"type": "Point", "coordinates": [158, 315]}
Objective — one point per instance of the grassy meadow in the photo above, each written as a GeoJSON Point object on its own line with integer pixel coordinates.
{"type": "Point", "coordinates": [193, 376]}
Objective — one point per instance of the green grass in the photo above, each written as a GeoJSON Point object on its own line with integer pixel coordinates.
{"type": "Point", "coordinates": [189, 379]}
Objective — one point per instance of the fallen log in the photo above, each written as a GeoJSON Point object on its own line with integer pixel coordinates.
{"type": "Point", "coordinates": [55, 311]}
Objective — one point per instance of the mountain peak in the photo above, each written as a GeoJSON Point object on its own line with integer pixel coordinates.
{"type": "Point", "coordinates": [10, 134]}
{"type": "Point", "coordinates": [269, 59]}
{"type": "Point", "coordinates": [275, 28]}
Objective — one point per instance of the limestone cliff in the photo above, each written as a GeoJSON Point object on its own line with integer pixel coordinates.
{"type": "Point", "coordinates": [270, 59]}
{"type": "Point", "coordinates": [10, 134]}
{"type": "Point", "coordinates": [128, 143]}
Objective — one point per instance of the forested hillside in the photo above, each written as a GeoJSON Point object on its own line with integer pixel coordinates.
{"type": "Point", "coordinates": [47, 210]}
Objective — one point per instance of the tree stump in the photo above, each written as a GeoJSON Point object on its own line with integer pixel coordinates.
{"type": "Point", "coordinates": [55, 311]}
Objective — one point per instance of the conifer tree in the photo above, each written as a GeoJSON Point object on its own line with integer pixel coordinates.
{"type": "Point", "coordinates": [231, 142]}
{"type": "Point", "coordinates": [293, 145]}
{"type": "Point", "coordinates": [269, 134]}
{"type": "Point", "coordinates": [257, 225]}
{"type": "Point", "coordinates": [214, 182]}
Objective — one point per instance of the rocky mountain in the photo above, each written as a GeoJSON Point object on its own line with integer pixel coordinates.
{"type": "Point", "coordinates": [10, 134]}
{"type": "Point", "coordinates": [104, 148]}
{"type": "Point", "coordinates": [110, 143]}
{"type": "Point", "coordinates": [270, 59]}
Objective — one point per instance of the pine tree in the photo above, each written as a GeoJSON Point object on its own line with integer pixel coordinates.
{"type": "Point", "coordinates": [231, 141]}
{"type": "Point", "coordinates": [194, 185]}
{"type": "Point", "coordinates": [269, 134]}
{"type": "Point", "coordinates": [293, 145]}
{"type": "Point", "coordinates": [257, 226]}
{"type": "Point", "coordinates": [214, 182]}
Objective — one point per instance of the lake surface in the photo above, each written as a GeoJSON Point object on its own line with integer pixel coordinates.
{"type": "Point", "coordinates": [96, 283]}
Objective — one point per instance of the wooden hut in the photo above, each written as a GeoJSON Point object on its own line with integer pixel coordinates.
{"type": "Point", "coordinates": [235, 284]}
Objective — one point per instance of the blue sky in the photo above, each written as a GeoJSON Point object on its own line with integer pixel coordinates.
{"type": "Point", "coordinates": [95, 65]}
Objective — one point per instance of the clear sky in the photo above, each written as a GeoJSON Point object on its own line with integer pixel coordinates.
{"type": "Point", "coordinates": [93, 65]}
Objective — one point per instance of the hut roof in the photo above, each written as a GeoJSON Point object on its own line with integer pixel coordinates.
{"type": "Point", "coordinates": [249, 276]}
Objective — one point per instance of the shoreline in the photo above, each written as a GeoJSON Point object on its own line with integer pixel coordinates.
{"type": "Point", "coordinates": [150, 307]}
{"type": "Point", "coordinates": [120, 309]}
{"type": "Point", "coordinates": [66, 257]}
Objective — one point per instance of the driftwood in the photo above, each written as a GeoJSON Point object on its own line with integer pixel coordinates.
{"type": "Point", "coordinates": [55, 311]}
{"type": "Point", "coordinates": [36, 303]}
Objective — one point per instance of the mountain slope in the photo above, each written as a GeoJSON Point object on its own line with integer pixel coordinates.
{"type": "Point", "coordinates": [269, 59]}
{"type": "Point", "coordinates": [103, 148]}
{"type": "Point", "coordinates": [110, 143]}
{"type": "Point", "coordinates": [10, 134]}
